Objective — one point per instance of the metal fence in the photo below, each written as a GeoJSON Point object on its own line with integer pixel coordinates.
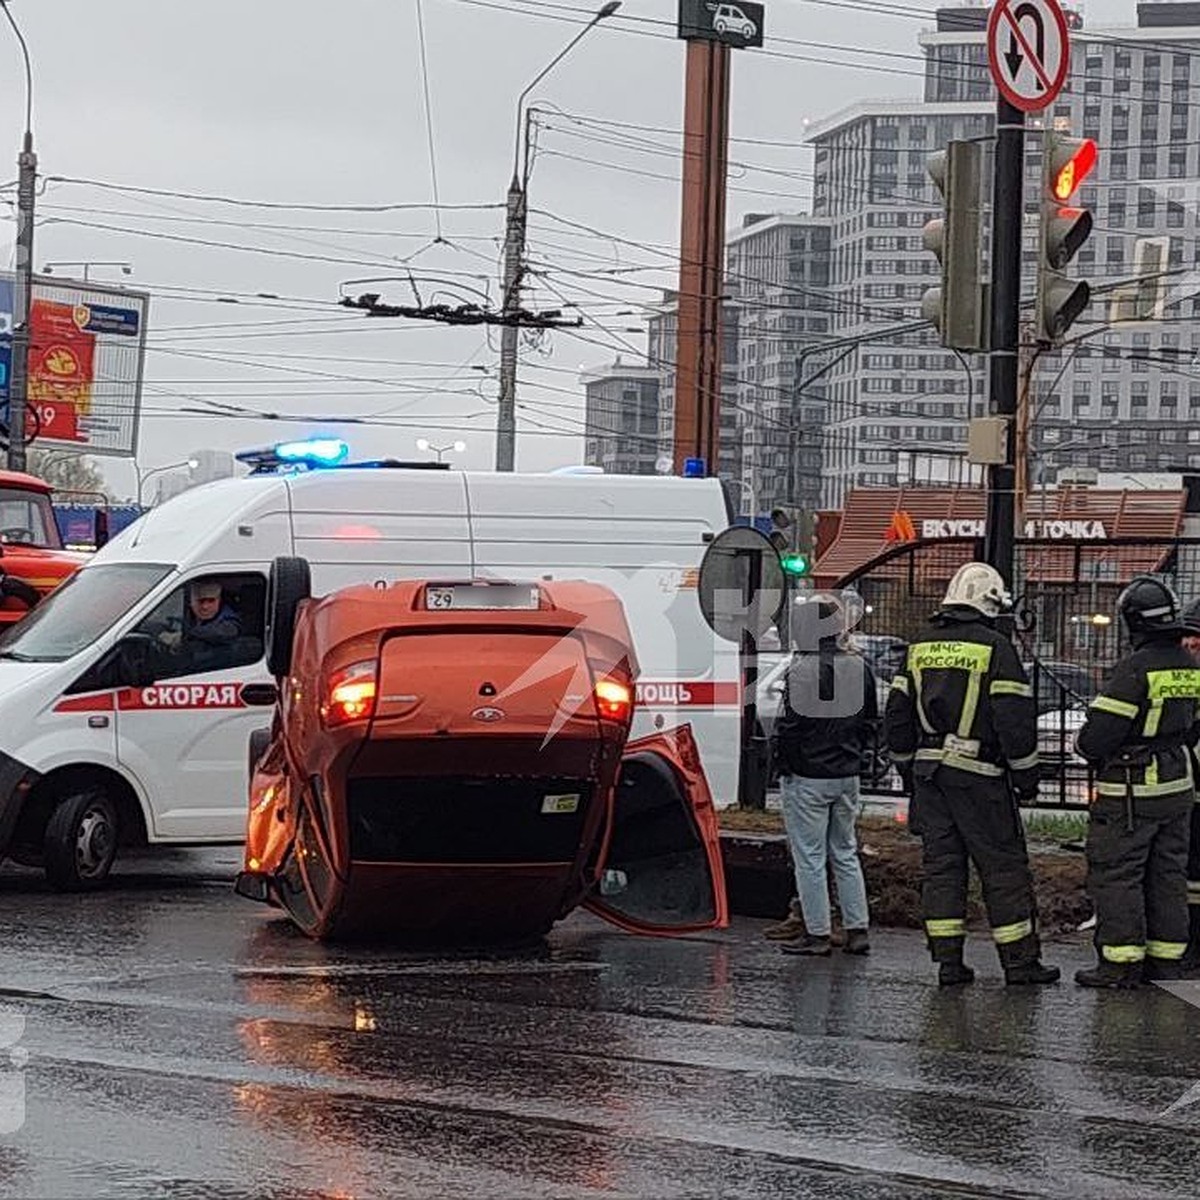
{"type": "Point", "coordinates": [1066, 630]}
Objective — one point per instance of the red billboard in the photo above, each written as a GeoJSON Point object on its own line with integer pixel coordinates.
{"type": "Point", "coordinates": [61, 366]}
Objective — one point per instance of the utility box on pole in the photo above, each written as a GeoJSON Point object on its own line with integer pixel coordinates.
{"type": "Point", "coordinates": [987, 441]}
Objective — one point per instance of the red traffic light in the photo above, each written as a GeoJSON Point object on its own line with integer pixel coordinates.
{"type": "Point", "coordinates": [1075, 170]}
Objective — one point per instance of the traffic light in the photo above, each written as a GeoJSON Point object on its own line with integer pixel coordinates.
{"type": "Point", "coordinates": [1066, 163]}
{"type": "Point", "coordinates": [781, 521]}
{"type": "Point", "coordinates": [956, 307]}
{"type": "Point", "coordinates": [795, 563]}
{"type": "Point", "coordinates": [796, 554]}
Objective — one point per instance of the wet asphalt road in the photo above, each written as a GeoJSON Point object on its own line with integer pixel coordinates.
{"type": "Point", "coordinates": [182, 1043]}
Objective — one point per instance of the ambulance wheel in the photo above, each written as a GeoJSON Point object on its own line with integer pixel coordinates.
{"type": "Point", "coordinates": [290, 582]}
{"type": "Point", "coordinates": [81, 841]}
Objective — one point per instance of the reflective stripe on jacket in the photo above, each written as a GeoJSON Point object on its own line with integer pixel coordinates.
{"type": "Point", "coordinates": [963, 700]}
{"type": "Point", "coordinates": [1140, 729]}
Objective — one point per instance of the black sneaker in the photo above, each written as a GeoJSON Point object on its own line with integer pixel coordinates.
{"type": "Point", "coordinates": [856, 942]}
{"type": "Point", "coordinates": [954, 974]}
{"type": "Point", "coordinates": [810, 947]}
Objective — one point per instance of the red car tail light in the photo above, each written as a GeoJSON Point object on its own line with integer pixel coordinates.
{"type": "Point", "coordinates": [614, 700]}
{"type": "Point", "coordinates": [352, 692]}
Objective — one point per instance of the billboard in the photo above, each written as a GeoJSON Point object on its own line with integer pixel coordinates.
{"type": "Point", "coordinates": [86, 359]}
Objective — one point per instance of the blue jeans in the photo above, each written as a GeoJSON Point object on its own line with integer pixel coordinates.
{"type": "Point", "coordinates": [820, 815]}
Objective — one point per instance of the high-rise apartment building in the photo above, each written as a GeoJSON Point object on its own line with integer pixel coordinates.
{"type": "Point", "coordinates": [894, 388]}
{"type": "Point", "coordinates": [833, 380]}
{"type": "Point", "coordinates": [1120, 398]}
{"type": "Point", "coordinates": [660, 355]}
{"type": "Point", "coordinates": [621, 418]}
{"type": "Point", "coordinates": [777, 269]}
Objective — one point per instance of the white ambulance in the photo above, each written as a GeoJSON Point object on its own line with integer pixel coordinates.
{"type": "Point", "coordinates": [117, 728]}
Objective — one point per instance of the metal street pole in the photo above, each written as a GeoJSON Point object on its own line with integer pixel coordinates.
{"type": "Point", "coordinates": [18, 387]}
{"type": "Point", "coordinates": [514, 261]}
{"type": "Point", "coordinates": [1007, 213]}
{"type": "Point", "coordinates": [514, 267]}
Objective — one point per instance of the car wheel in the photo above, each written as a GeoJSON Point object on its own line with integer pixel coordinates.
{"type": "Point", "coordinates": [721, 26]}
{"type": "Point", "coordinates": [260, 739]}
{"type": "Point", "coordinates": [290, 582]}
{"type": "Point", "coordinates": [81, 841]}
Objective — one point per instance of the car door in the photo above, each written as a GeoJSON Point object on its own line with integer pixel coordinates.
{"type": "Point", "coordinates": [661, 870]}
{"type": "Point", "coordinates": [185, 734]}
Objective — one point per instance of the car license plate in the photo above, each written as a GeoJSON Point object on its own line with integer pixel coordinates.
{"type": "Point", "coordinates": [481, 596]}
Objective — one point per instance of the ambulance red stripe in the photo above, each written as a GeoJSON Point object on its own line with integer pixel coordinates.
{"type": "Point", "coordinates": [96, 702]}
{"type": "Point", "coordinates": [164, 696]}
{"type": "Point", "coordinates": [684, 693]}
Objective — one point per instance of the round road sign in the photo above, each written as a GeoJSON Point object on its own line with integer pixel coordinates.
{"type": "Point", "coordinates": [741, 586]}
{"type": "Point", "coordinates": [1028, 51]}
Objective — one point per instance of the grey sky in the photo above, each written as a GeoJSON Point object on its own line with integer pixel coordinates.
{"type": "Point", "coordinates": [294, 101]}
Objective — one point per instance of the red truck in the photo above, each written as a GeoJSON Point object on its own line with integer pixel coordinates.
{"type": "Point", "coordinates": [32, 559]}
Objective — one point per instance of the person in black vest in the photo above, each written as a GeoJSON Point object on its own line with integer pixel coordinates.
{"type": "Point", "coordinates": [824, 733]}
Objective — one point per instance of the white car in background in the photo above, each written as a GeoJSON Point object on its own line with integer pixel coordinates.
{"type": "Point", "coordinates": [1064, 773]}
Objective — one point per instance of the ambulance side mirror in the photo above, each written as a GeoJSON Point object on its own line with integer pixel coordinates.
{"type": "Point", "coordinates": [134, 656]}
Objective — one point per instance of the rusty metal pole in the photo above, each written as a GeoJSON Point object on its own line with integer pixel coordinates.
{"type": "Point", "coordinates": [699, 339]}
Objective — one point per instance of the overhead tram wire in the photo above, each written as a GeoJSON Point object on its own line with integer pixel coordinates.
{"type": "Point", "coordinates": [437, 211]}
{"type": "Point", "coordinates": [302, 206]}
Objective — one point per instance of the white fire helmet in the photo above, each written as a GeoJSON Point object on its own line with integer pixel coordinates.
{"type": "Point", "coordinates": [979, 586]}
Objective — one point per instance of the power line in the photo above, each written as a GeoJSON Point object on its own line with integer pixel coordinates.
{"type": "Point", "coordinates": [271, 204]}
{"type": "Point", "coordinates": [437, 212]}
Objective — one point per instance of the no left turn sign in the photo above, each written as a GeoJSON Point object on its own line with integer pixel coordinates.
{"type": "Point", "coordinates": [1028, 51]}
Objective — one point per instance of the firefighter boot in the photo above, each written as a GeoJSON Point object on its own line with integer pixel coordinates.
{"type": "Point", "coordinates": [1164, 969]}
{"type": "Point", "coordinates": [948, 954]}
{"type": "Point", "coordinates": [1191, 959]}
{"type": "Point", "coordinates": [1023, 965]}
{"type": "Point", "coordinates": [1111, 975]}
{"type": "Point", "coordinates": [953, 974]}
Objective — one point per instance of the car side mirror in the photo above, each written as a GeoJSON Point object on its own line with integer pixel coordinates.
{"type": "Point", "coordinates": [135, 659]}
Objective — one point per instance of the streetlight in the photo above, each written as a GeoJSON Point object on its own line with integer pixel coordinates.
{"type": "Point", "coordinates": [142, 476]}
{"type": "Point", "coordinates": [126, 268]}
{"type": "Point", "coordinates": [514, 260]}
{"type": "Point", "coordinates": [426, 445]}
{"type": "Point", "coordinates": [18, 390]}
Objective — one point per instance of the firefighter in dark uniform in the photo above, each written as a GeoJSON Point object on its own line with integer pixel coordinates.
{"type": "Point", "coordinates": [1191, 960]}
{"type": "Point", "coordinates": [961, 725]}
{"type": "Point", "coordinates": [1138, 737]}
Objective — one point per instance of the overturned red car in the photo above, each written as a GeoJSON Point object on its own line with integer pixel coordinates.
{"type": "Point", "coordinates": [450, 760]}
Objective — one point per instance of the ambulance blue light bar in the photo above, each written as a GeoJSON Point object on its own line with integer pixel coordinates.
{"type": "Point", "coordinates": [321, 452]}
{"type": "Point", "coordinates": [309, 454]}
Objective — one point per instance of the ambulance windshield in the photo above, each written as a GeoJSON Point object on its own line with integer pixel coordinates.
{"type": "Point", "coordinates": [75, 615]}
